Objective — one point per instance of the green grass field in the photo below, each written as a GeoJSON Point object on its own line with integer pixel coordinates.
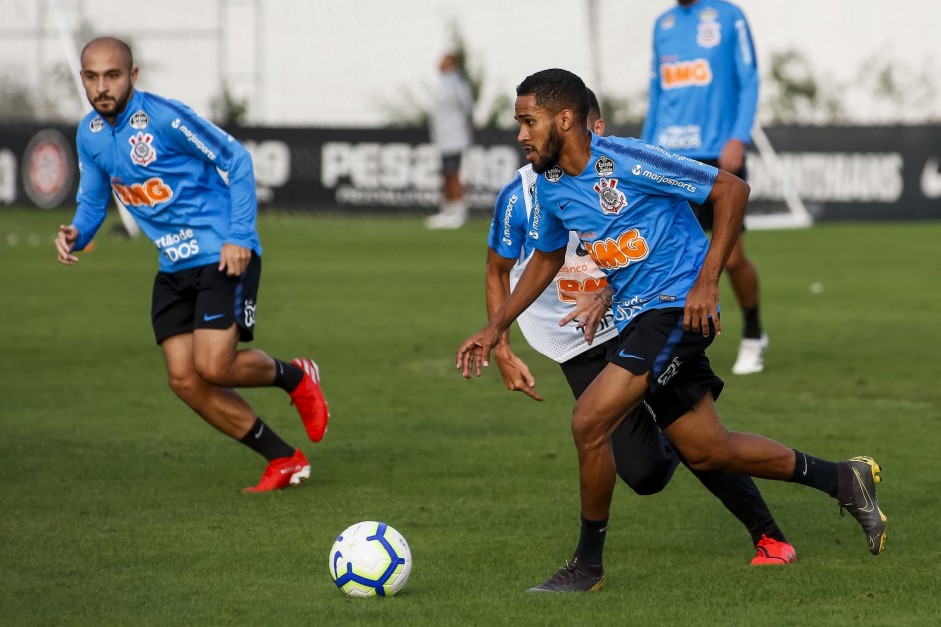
{"type": "Point", "coordinates": [118, 506]}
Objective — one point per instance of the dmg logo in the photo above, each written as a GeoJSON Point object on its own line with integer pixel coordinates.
{"type": "Point", "coordinates": [610, 253]}
{"type": "Point", "coordinates": [685, 73]}
{"type": "Point", "coordinates": [574, 285]}
{"type": "Point", "coordinates": [151, 192]}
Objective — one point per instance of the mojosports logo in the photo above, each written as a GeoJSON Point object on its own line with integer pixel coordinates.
{"type": "Point", "coordinates": [659, 178]}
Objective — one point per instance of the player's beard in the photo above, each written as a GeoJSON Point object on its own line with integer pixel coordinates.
{"type": "Point", "coordinates": [119, 104]}
{"type": "Point", "coordinates": [549, 153]}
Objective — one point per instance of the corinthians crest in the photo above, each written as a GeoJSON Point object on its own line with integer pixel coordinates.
{"type": "Point", "coordinates": [142, 150]}
{"type": "Point", "coordinates": [612, 199]}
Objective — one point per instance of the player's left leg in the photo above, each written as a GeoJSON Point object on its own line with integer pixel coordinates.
{"type": "Point", "coordinates": [224, 316]}
{"type": "Point", "coordinates": [743, 276]}
{"type": "Point", "coordinates": [708, 445]}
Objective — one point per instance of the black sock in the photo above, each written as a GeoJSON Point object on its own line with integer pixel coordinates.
{"type": "Point", "coordinates": [287, 376]}
{"type": "Point", "coordinates": [815, 472]}
{"type": "Point", "coordinates": [591, 541]}
{"type": "Point", "coordinates": [261, 439]}
{"type": "Point", "coordinates": [752, 328]}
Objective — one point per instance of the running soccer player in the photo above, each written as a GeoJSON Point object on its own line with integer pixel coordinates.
{"type": "Point", "coordinates": [703, 98]}
{"type": "Point", "coordinates": [644, 458]}
{"type": "Point", "coordinates": [628, 203]}
{"type": "Point", "coordinates": [161, 160]}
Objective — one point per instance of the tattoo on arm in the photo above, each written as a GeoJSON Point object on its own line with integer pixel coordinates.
{"type": "Point", "coordinates": [605, 294]}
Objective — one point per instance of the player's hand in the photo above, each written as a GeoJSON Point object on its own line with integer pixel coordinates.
{"type": "Point", "coordinates": [590, 308]}
{"type": "Point", "coordinates": [475, 351]}
{"type": "Point", "coordinates": [702, 304]}
{"type": "Point", "coordinates": [234, 259]}
{"type": "Point", "coordinates": [65, 242]}
{"type": "Point", "coordinates": [732, 157]}
{"type": "Point", "coordinates": [516, 374]}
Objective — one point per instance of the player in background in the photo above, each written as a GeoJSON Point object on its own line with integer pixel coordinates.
{"type": "Point", "coordinates": [629, 203]}
{"type": "Point", "coordinates": [161, 160]}
{"type": "Point", "coordinates": [703, 98]}
{"type": "Point", "coordinates": [644, 458]}
{"type": "Point", "coordinates": [452, 132]}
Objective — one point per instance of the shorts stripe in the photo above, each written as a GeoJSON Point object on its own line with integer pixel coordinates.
{"type": "Point", "coordinates": [675, 336]}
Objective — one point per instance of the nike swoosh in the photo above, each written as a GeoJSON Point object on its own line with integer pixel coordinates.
{"type": "Point", "coordinates": [208, 318]}
{"type": "Point", "coordinates": [870, 505]}
{"type": "Point", "coordinates": [261, 430]}
{"type": "Point", "coordinates": [805, 465]}
{"type": "Point", "coordinates": [623, 354]}
{"type": "Point", "coordinates": [563, 205]}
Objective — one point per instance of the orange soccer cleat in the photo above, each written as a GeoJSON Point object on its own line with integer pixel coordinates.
{"type": "Point", "coordinates": [282, 473]}
{"type": "Point", "coordinates": [309, 401]}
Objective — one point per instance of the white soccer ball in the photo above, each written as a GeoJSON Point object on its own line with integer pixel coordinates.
{"type": "Point", "coordinates": [370, 559]}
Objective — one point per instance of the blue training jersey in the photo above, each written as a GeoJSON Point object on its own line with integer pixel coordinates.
{"type": "Point", "coordinates": [630, 208]}
{"type": "Point", "coordinates": [167, 166]}
{"type": "Point", "coordinates": [704, 80]}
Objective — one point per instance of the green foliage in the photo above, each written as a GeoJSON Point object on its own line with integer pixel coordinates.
{"type": "Point", "coordinates": [119, 506]}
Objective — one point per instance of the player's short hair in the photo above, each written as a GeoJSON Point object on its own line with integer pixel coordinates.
{"type": "Point", "coordinates": [556, 90]}
{"type": "Point", "coordinates": [594, 107]}
{"type": "Point", "coordinates": [114, 41]}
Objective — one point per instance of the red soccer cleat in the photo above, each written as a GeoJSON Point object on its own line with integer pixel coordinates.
{"type": "Point", "coordinates": [773, 552]}
{"type": "Point", "coordinates": [283, 472]}
{"type": "Point", "coordinates": [309, 400]}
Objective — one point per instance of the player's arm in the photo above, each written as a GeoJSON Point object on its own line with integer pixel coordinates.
{"type": "Point", "coordinates": [541, 269]}
{"type": "Point", "coordinates": [92, 200]}
{"type": "Point", "coordinates": [516, 374]}
{"type": "Point", "coordinates": [208, 142]}
{"type": "Point", "coordinates": [732, 156]}
{"type": "Point", "coordinates": [729, 195]}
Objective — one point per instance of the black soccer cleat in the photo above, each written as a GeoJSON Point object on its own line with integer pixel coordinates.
{"type": "Point", "coordinates": [856, 493]}
{"type": "Point", "coordinates": [574, 577]}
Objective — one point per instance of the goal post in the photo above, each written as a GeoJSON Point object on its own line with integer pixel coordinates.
{"type": "Point", "coordinates": [795, 214]}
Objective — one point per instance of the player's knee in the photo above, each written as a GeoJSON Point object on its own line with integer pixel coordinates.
{"type": "Point", "coordinates": [185, 387]}
{"type": "Point", "coordinates": [586, 430]}
{"type": "Point", "coordinates": [212, 371]}
{"type": "Point", "coordinates": [646, 480]}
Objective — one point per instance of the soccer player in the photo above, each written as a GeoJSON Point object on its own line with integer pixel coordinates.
{"type": "Point", "coordinates": [644, 458]}
{"type": "Point", "coordinates": [452, 133]}
{"type": "Point", "coordinates": [703, 97]}
{"type": "Point", "coordinates": [628, 203]}
{"type": "Point", "coordinates": [163, 162]}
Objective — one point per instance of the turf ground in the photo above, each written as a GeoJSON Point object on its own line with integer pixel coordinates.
{"type": "Point", "coordinates": [119, 506]}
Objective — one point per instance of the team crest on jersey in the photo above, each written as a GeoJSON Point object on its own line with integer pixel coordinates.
{"type": "Point", "coordinates": [139, 120]}
{"type": "Point", "coordinates": [96, 124]}
{"type": "Point", "coordinates": [708, 33]}
{"type": "Point", "coordinates": [554, 174]}
{"type": "Point", "coordinates": [604, 166]}
{"type": "Point", "coordinates": [612, 199]}
{"type": "Point", "coordinates": [142, 150]}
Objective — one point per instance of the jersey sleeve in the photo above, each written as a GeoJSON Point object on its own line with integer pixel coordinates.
{"type": "Point", "coordinates": [662, 173]}
{"type": "Point", "coordinates": [204, 140]}
{"type": "Point", "coordinates": [746, 71]}
{"type": "Point", "coordinates": [508, 227]}
{"type": "Point", "coordinates": [546, 231]}
{"type": "Point", "coordinates": [94, 189]}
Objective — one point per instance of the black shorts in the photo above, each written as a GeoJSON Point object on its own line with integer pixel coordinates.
{"type": "Point", "coordinates": [706, 213]}
{"type": "Point", "coordinates": [678, 371]}
{"type": "Point", "coordinates": [451, 163]}
{"type": "Point", "coordinates": [205, 298]}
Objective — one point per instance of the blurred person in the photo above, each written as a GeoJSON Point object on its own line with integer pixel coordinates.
{"type": "Point", "coordinates": [628, 201]}
{"type": "Point", "coordinates": [164, 162]}
{"type": "Point", "coordinates": [703, 98]}
{"type": "Point", "coordinates": [580, 297]}
{"type": "Point", "coordinates": [452, 133]}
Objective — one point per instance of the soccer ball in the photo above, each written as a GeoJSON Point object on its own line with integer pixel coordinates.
{"type": "Point", "coordinates": [370, 559]}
